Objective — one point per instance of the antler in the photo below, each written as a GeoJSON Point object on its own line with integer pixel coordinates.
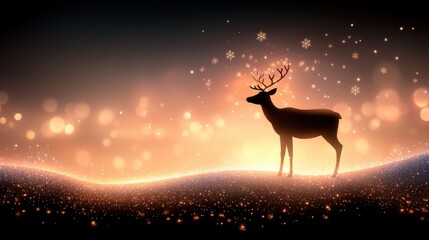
{"type": "Point", "coordinates": [260, 79]}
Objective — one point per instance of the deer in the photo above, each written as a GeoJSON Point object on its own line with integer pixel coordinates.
{"type": "Point", "coordinates": [291, 123]}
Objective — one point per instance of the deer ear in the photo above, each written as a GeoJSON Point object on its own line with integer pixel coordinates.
{"type": "Point", "coordinates": [273, 91]}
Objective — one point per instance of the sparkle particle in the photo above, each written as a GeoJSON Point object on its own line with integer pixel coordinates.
{"type": "Point", "coordinates": [383, 70]}
{"type": "Point", "coordinates": [215, 61]}
{"type": "Point", "coordinates": [355, 55]}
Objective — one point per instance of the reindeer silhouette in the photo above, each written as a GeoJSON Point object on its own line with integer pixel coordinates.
{"type": "Point", "coordinates": [292, 122]}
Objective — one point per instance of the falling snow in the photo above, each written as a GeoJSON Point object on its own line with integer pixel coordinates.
{"type": "Point", "coordinates": [355, 90]}
{"type": "Point", "coordinates": [383, 70]}
{"type": "Point", "coordinates": [215, 61]}
{"type": "Point", "coordinates": [306, 43]}
{"type": "Point", "coordinates": [355, 55]}
{"type": "Point", "coordinates": [230, 55]}
{"type": "Point", "coordinates": [261, 36]}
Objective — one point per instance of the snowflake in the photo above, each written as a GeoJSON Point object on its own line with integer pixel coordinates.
{"type": "Point", "coordinates": [383, 70]}
{"type": "Point", "coordinates": [355, 90]}
{"type": "Point", "coordinates": [215, 61]}
{"type": "Point", "coordinates": [306, 43]}
{"type": "Point", "coordinates": [230, 55]}
{"type": "Point", "coordinates": [261, 36]}
{"type": "Point", "coordinates": [301, 63]}
{"type": "Point", "coordinates": [144, 113]}
{"type": "Point", "coordinates": [208, 83]}
{"type": "Point", "coordinates": [355, 55]}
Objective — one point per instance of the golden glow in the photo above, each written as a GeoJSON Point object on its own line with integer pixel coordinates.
{"type": "Point", "coordinates": [106, 117]}
{"type": "Point", "coordinates": [345, 126]}
{"type": "Point", "coordinates": [146, 155]}
{"type": "Point", "coordinates": [343, 109]}
{"type": "Point", "coordinates": [142, 106]}
{"type": "Point", "coordinates": [195, 127]}
{"type": "Point", "coordinates": [424, 114]}
{"type": "Point", "coordinates": [83, 158]}
{"type": "Point", "coordinates": [69, 129]}
{"type": "Point", "coordinates": [220, 123]}
{"type": "Point", "coordinates": [137, 164]}
{"type": "Point", "coordinates": [187, 115]}
{"type": "Point", "coordinates": [84, 155]}
{"type": "Point", "coordinates": [257, 115]}
{"type": "Point", "coordinates": [119, 163]}
{"type": "Point", "coordinates": [106, 142]}
{"type": "Point", "coordinates": [421, 97]}
{"type": "Point", "coordinates": [56, 125]}
{"type": "Point", "coordinates": [185, 133]}
{"type": "Point", "coordinates": [50, 105]}
{"type": "Point", "coordinates": [362, 145]}
{"type": "Point", "coordinates": [387, 105]}
{"type": "Point", "coordinates": [374, 124]}
{"type": "Point", "coordinates": [30, 134]}
{"type": "Point", "coordinates": [81, 110]}
{"type": "Point", "coordinates": [17, 116]}
{"type": "Point", "coordinates": [166, 137]}
{"type": "Point", "coordinates": [79, 178]}
{"type": "Point", "coordinates": [46, 132]}
{"type": "Point", "coordinates": [368, 109]}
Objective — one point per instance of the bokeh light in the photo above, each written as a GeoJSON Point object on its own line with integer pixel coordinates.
{"type": "Point", "coordinates": [187, 115]}
{"type": "Point", "coordinates": [69, 129]}
{"type": "Point", "coordinates": [56, 124]}
{"type": "Point", "coordinates": [17, 116]}
{"type": "Point", "coordinates": [30, 134]}
{"type": "Point", "coordinates": [106, 117]}
{"type": "Point", "coordinates": [421, 97]}
{"type": "Point", "coordinates": [424, 114]}
{"type": "Point", "coordinates": [50, 105]}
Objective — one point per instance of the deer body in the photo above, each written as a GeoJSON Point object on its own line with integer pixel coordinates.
{"type": "Point", "coordinates": [298, 123]}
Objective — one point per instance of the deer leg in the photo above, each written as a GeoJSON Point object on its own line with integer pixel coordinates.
{"type": "Point", "coordinates": [338, 149]}
{"type": "Point", "coordinates": [282, 154]}
{"type": "Point", "coordinates": [289, 145]}
{"type": "Point", "coordinates": [333, 140]}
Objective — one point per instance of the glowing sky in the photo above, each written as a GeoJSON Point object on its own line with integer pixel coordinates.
{"type": "Point", "coordinates": [116, 92]}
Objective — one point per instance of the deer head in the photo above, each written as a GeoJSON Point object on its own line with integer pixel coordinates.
{"type": "Point", "coordinates": [263, 95]}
